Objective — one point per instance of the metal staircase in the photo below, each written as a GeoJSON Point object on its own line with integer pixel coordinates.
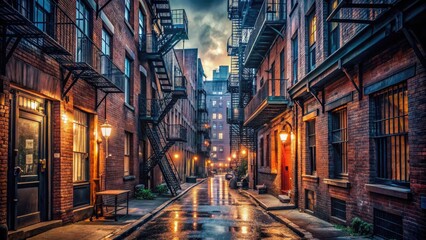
{"type": "Point", "coordinates": [240, 81]}
{"type": "Point", "coordinates": [157, 49]}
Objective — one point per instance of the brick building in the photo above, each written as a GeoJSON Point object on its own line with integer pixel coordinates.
{"type": "Point", "coordinates": [349, 94]}
{"type": "Point", "coordinates": [67, 68]}
{"type": "Point", "coordinates": [217, 101]}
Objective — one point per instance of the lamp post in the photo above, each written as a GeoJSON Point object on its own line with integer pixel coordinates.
{"type": "Point", "coordinates": [106, 129]}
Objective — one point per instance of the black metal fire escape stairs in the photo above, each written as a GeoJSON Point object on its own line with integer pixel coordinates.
{"type": "Point", "coordinates": [156, 48]}
{"type": "Point", "coordinates": [79, 58]}
{"type": "Point", "coordinates": [240, 81]}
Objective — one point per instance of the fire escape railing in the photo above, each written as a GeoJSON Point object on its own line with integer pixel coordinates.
{"type": "Point", "coordinates": [80, 56]}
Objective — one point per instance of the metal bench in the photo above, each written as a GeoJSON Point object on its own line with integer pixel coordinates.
{"type": "Point", "coordinates": [117, 206]}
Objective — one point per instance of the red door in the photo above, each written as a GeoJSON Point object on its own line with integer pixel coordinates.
{"type": "Point", "coordinates": [286, 168]}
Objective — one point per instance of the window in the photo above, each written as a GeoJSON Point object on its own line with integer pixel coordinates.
{"type": "Point", "coordinates": [390, 129]}
{"type": "Point", "coordinates": [268, 150]}
{"type": "Point", "coordinates": [214, 126]}
{"type": "Point", "coordinates": [310, 132]}
{"type": "Point", "coordinates": [83, 32]}
{"type": "Point", "coordinates": [214, 149]}
{"type": "Point", "coordinates": [43, 15]}
{"type": "Point", "coordinates": [272, 71]}
{"type": "Point", "coordinates": [220, 126]}
{"type": "Point", "coordinates": [312, 35]}
{"type": "Point", "coordinates": [106, 42]}
{"type": "Point", "coordinates": [338, 208]}
{"type": "Point", "coordinates": [80, 147]}
{"type": "Point", "coordinates": [214, 103]}
{"type": "Point", "coordinates": [333, 28]}
{"type": "Point", "coordinates": [220, 104]}
{"type": "Point", "coordinates": [309, 200]}
{"type": "Point", "coordinates": [219, 116]}
{"type": "Point", "coordinates": [214, 116]}
{"type": "Point", "coordinates": [339, 140]}
{"type": "Point", "coordinates": [221, 149]}
{"type": "Point", "coordinates": [295, 55]}
{"type": "Point", "coordinates": [141, 24]}
{"type": "Point", "coordinates": [262, 160]}
{"type": "Point", "coordinates": [220, 135]}
{"type": "Point", "coordinates": [387, 225]}
{"type": "Point", "coordinates": [127, 10]}
{"type": "Point", "coordinates": [214, 135]}
{"type": "Point", "coordinates": [127, 152]}
{"type": "Point", "coordinates": [282, 74]}
{"type": "Point", "coordinates": [127, 72]}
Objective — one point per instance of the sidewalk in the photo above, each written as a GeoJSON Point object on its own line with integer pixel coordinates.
{"type": "Point", "coordinates": [140, 212]}
{"type": "Point", "coordinates": [304, 224]}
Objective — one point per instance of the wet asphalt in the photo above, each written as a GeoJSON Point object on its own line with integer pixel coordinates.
{"type": "Point", "coordinates": [212, 210]}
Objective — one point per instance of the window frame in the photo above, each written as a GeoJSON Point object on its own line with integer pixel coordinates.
{"type": "Point", "coordinates": [127, 83]}
{"type": "Point", "coordinates": [311, 147]}
{"type": "Point", "coordinates": [105, 43]}
{"type": "Point", "coordinates": [128, 10]}
{"type": "Point", "coordinates": [86, 141]}
{"type": "Point", "coordinates": [387, 136]}
{"type": "Point", "coordinates": [128, 144]}
{"type": "Point", "coordinates": [333, 29]}
{"type": "Point", "coordinates": [312, 39]}
{"type": "Point", "coordinates": [294, 58]}
{"type": "Point", "coordinates": [339, 149]}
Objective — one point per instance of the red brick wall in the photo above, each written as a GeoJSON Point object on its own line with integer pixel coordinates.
{"type": "Point", "coordinates": [4, 140]}
{"type": "Point", "coordinates": [360, 202]}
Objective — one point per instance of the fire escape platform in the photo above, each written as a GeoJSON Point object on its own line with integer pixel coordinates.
{"type": "Point", "coordinates": [260, 42]}
{"type": "Point", "coordinates": [269, 109]}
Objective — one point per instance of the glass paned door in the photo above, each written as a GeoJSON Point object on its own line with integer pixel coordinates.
{"type": "Point", "coordinates": [31, 163]}
{"type": "Point", "coordinates": [81, 159]}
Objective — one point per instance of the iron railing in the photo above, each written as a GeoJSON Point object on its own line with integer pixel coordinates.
{"type": "Point", "coordinates": [233, 80]}
{"type": "Point", "coordinates": [176, 132]}
{"type": "Point", "coordinates": [180, 21]}
{"type": "Point", "coordinates": [179, 83]}
{"type": "Point", "coordinates": [52, 36]}
{"type": "Point", "coordinates": [234, 115]}
{"type": "Point", "coordinates": [148, 43]}
{"type": "Point", "coordinates": [272, 11]}
{"type": "Point", "coordinates": [202, 105]}
{"type": "Point", "coordinates": [203, 123]}
{"type": "Point", "coordinates": [270, 88]}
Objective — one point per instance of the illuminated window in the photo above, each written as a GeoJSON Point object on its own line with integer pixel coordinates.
{"type": "Point", "coordinates": [312, 21]}
{"type": "Point", "coordinates": [219, 116]}
{"type": "Point", "coordinates": [214, 149]}
{"type": "Point", "coordinates": [220, 135]}
{"type": "Point", "coordinates": [127, 151]}
{"type": "Point", "coordinates": [214, 116]}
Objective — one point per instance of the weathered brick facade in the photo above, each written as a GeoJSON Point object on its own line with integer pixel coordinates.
{"type": "Point", "coordinates": [370, 56]}
{"type": "Point", "coordinates": [36, 74]}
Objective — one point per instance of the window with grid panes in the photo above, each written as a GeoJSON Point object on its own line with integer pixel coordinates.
{"type": "Point", "coordinates": [333, 29]}
{"type": "Point", "coordinates": [282, 74]}
{"type": "Point", "coordinates": [83, 32]}
{"type": "Point", "coordinates": [310, 132]}
{"type": "Point", "coordinates": [141, 24]}
{"type": "Point", "coordinates": [268, 150]}
{"type": "Point", "coordinates": [295, 57]}
{"type": "Point", "coordinates": [106, 42]}
{"type": "Point", "coordinates": [261, 147]}
{"type": "Point", "coordinates": [127, 82]}
{"type": "Point", "coordinates": [312, 38]}
{"type": "Point", "coordinates": [390, 133]}
{"type": "Point", "coordinates": [338, 208]}
{"type": "Point", "coordinates": [127, 10]}
{"type": "Point", "coordinates": [80, 147]}
{"type": "Point", "coordinates": [339, 141]}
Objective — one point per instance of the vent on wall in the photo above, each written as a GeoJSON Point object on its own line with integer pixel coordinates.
{"type": "Point", "coordinates": [338, 208]}
{"type": "Point", "coordinates": [387, 225]}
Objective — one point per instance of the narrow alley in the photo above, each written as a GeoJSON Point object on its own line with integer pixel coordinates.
{"type": "Point", "coordinates": [214, 211]}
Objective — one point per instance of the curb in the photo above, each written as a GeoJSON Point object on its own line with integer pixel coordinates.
{"type": "Point", "coordinates": [263, 205]}
{"type": "Point", "coordinates": [295, 228]}
{"type": "Point", "coordinates": [122, 233]}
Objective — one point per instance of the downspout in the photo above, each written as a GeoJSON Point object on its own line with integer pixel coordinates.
{"type": "Point", "coordinates": [296, 185]}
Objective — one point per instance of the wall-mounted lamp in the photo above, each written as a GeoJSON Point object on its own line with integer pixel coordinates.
{"type": "Point", "coordinates": [285, 132]}
{"type": "Point", "coordinates": [106, 129]}
{"type": "Point", "coordinates": [64, 118]}
{"type": "Point", "coordinates": [234, 155]}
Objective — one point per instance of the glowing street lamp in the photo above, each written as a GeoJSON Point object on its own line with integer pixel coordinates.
{"type": "Point", "coordinates": [285, 132]}
{"type": "Point", "coordinates": [106, 129]}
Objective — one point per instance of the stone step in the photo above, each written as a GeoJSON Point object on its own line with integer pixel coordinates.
{"type": "Point", "coordinates": [284, 198]}
{"type": "Point", "coordinates": [32, 230]}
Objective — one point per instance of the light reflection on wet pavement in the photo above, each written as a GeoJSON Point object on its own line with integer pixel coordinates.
{"type": "Point", "coordinates": [212, 211]}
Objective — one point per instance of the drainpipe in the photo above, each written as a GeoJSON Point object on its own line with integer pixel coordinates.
{"type": "Point", "coordinates": [296, 184]}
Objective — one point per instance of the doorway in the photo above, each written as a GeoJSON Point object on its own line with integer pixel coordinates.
{"type": "Point", "coordinates": [28, 162]}
{"type": "Point", "coordinates": [286, 168]}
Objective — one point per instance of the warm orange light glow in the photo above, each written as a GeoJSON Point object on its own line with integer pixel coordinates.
{"type": "Point", "coordinates": [195, 158]}
{"type": "Point", "coordinates": [229, 158]}
{"type": "Point", "coordinates": [243, 152]}
{"type": "Point", "coordinates": [220, 164]}
{"type": "Point", "coordinates": [212, 164]}
{"type": "Point", "coordinates": [234, 155]}
{"type": "Point", "coordinates": [176, 155]}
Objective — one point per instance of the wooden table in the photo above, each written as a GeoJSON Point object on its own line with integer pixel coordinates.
{"type": "Point", "coordinates": [117, 206]}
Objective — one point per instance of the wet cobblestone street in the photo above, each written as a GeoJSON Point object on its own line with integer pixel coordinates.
{"type": "Point", "coordinates": [213, 211]}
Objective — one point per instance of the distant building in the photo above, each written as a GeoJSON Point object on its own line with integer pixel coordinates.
{"type": "Point", "coordinates": [217, 101]}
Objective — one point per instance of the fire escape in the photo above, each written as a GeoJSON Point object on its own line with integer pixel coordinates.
{"type": "Point", "coordinates": [157, 49]}
{"type": "Point", "coordinates": [240, 81]}
{"type": "Point", "coordinates": [78, 56]}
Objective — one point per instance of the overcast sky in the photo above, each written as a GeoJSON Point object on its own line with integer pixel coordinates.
{"type": "Point", "coordinates": [209, 29]}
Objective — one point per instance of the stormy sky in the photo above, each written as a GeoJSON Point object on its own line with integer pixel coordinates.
{"type": "Point", "coordinates": [209, 29]}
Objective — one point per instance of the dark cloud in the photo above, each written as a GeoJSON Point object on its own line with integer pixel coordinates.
{"type": "Point", "coordinates": [209, 29]}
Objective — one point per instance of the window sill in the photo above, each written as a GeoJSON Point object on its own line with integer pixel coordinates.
{"type": "Point", "coordinates": [397, 192]}
{"type": "Point", "coordinates": [337, 220]}
{"type": "Point", "coordinates": [337, 182]}
{"type": "Point", "coordinates": [310, 178]}
{"type": "Point", "coordinates": [129, 27]}
{"type": "Point", "coordinates": [130, 107]}
{"type": "Point", "coordinates": [129, 178]}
